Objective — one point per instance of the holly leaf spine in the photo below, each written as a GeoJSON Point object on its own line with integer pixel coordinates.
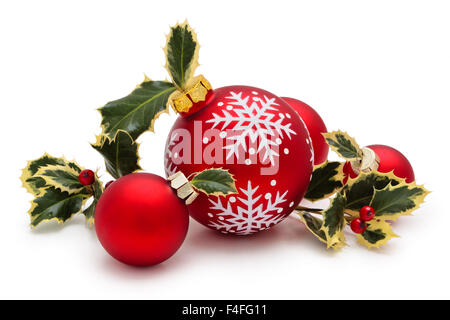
{"type": "Point", "coordinates": [377, 234]}
{"type": "Point", "coordinates": [326, 180]}
{"type": "Point", "coordinates": [344, 145]}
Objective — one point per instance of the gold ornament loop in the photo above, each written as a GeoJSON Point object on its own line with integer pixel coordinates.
{"type": "Point", "coordinates": [185, 191]}
{"type": "Point", "coordinates": [198, 88]}
{"type": "Point", "coordinates": [369, 162]}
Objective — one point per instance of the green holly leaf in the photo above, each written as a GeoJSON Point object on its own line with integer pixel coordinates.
{"type": "Point", "coordinates": [400, 200]}
{"type": "Point", "coordinates": [344, 145]}
{"type": "Point", "coordinates": [378, 233]}
{"type": "Point", "coordinates": [137, 112]}
{"type": "Point", "coordinates": [314, 225]}
{"type": "Point", "coordinates": [326, 180]}
{"type": "Point", "coordinates": [62, 177]}
{"type": "Point", "coordinates": [334, 222]}
{"type": "Point", "coordinates": [214, 182]}
{"type": "Point", "coordinates": [30, 181]}
{"type": "Point", "coordinates": [54, 204]}
{"type": "Point", "coordinates": [181, 54]}
{"type": "Point", "coordinates": [121, 155]}
{"type": "Point", "coordinates": [359, 191]}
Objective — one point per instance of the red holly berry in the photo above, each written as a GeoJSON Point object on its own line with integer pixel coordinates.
{"type": "Point", "coordinates": [108, 184]}
{"type": "Point", "coordinates": [358, 226]}
{"type": "Point", "coordinates": [86, 177]}
{"type": "Point", "coordinates": [366, 213]}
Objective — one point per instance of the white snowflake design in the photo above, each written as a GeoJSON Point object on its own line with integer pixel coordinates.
{"type": "Point", "coordinates": [250, 217]}
{"type": "Point", "coordinates": [169, 166]}
{"type": "Point", "coordinates": [254, 120]}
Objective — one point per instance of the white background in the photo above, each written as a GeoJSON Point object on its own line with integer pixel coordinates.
{"type": "Point", "coordinates": [377, 69]}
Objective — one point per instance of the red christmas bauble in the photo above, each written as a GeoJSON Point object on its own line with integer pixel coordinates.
{"type": "Point", "coordinates": [315, 126]}
{"type": "Point", "coordinates": [261, 140]}
{"type": "Point", "coordinates": [140, 221]}
{"type": "Point", "coordinates": [392, 159]}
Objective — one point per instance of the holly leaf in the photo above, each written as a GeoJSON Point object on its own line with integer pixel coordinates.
{"type": "Point", "coordinates": [400, 200]}
{"type": "Point", "coordinates": [217, 182]}
{"type": "Point", "coordinates": [326, 180]}
{"type": "Point", "coordinates": [344, 145]}
{"type": "Point", "coordinates": [378, 233]}
{"type": "Point", "coordinates": [359, 191]}
{"type": "Point", "coordinates": [181, 54]}
{"type": "Point", "coordinates": [121, 155]}
{"type": "Point", "coordinates": [30, 181]}
{"type": "Point", "coordinates": [334, 222]}
{"type": "Point", "coordinates": [137, 112]}
{"type": "Point", "coordinates": [314, 225]}
{"type": "Point", "coordinates": [54, 204]}
{"type": "Point", "coordinates": [62, 177]}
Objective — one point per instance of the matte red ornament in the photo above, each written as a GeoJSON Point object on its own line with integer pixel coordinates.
{"type": "Point", "coordinates": [392, 159]}
{"type": "Point", "coordinates": [348, 172]}
{"type": "Point", "coordinates": [263, 143]}
{"type": "Point", "coordinates": [315, 126]}
{"type": "Point", "coordinates": [140, 221]}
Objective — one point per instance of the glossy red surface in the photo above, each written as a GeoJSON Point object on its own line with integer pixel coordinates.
{"type": "Point", "coordinates": [140, 221]}
{"type": "Point", "coordinates": [315, 126]}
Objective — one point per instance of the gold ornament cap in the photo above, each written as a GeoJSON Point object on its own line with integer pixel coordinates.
{"type": "Point", "coordinates": [180, 183]}
{"type": "Point", "coordinates": [369, 162]}
{"type": "Point", "coordinates": [197, 89]}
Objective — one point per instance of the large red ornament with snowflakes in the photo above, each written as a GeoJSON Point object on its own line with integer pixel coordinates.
{"type": "Point", "coordinates": [315, 126]}
{"type": "Point", "coordinates": [261, 140]}
{"type": "Point", "coordinates": [140, 221]}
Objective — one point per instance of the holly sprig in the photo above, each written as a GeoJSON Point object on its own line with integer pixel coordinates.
{"type": "Point", "coordinates": [54, 182]}
{"type": "Point", "coordinates": [390, 197]}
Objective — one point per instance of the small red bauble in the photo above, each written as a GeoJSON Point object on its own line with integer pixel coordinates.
{"type": "Point", "coordinates": [86, 177]}
{"type": "Point", "coordinates": [140, 221]}
{"type": "Point", "coordinates": [392, 159]}
{"type": "Point", "coordinates": [315, 126]}
{"type": "Point", "coordinates": [366, 213]}
{"type": "Point", "coordinates": [263, 143]}
{"type": "Point", "coordinates": [358, 226]}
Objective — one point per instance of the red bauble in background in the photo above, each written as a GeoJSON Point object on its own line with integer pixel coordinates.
{"type": "Point", "coordinates": [261, 140]}
{"type": "Point", "coordinates": [315, 126]}
{"type": "Point", "coordinates": [140, 221]}
{"type": "Point", "coordinates": [392, 159]}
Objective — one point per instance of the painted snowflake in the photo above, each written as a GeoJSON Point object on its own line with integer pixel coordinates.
{"type": "Point", "coordinates": [254, 120]}
{"type": "Point", "coordinates": [250, 216]}
{"type": "Point", "coordinates": [169, 167]}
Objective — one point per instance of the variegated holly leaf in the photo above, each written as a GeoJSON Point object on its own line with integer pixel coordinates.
{"type": "Point", "coordinates": [217, 182]}
{"type": "Point", "coordinates": [62, 177]}
{"type": "Point", "coordinates": [181, 54]}
{"type": "Point", "coordinates": [121, 155]}
{"type": "Point", "coordinates": [359, 191]}
{"type": "Point", "coordinates": [378, 233]}
{"type": "Point", "coordinates": [89, 212]}
{"type": "Point", "coordinates": [326, 180]}
{"type": "Point", "coordinates": [314, 225]}
{"type": "Point", "coordinates": [30, 181]}
{"type": "Point", "coordinates": [334, 222]}
{"type": "Point", "coordinates": [344, 145]}
{"type": "Point", "coordinates": [400, 200]}
{"type": "Point", "coordinates": [137, 112]}
{"type": "Point", "coordinates": [54, 204]}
